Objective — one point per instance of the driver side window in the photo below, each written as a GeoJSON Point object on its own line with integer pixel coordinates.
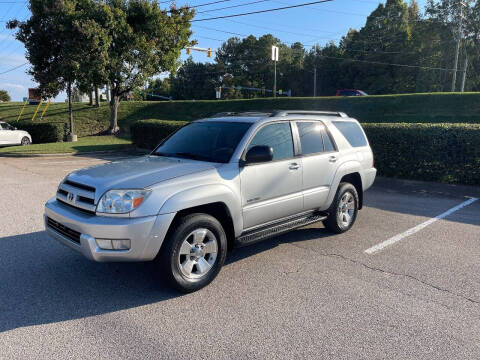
{"type": "Point", "coordinates": [278, 136]}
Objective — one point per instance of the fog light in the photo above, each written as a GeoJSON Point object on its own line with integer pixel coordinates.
{"type": "Point", "coordinates": [121, 244]}
{"type": "Point", "coordinates": [105, 244]}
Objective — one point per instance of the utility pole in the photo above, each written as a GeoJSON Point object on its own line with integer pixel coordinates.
{"type": "Point", "coordinates": [315, 81]}
{"type": "Point", "coordinates": [464, 76]}
{"type": "Point", "coordinates": [459, 40]}
{"type": "Point", "coordinates": [275, 59]}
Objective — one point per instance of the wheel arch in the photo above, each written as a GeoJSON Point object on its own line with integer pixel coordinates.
{"type": "Point", "coordinates": [218, 210]}
{"type": "Point", "coordinates": [348, 172]}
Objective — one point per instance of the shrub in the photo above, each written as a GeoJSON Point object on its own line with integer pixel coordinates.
{"type": "Point", "coordinates": [447, 153]}
{"type": "Point", "coordinates": [147, 134]}
{"type": "Point", "coordinates": [44, 132]}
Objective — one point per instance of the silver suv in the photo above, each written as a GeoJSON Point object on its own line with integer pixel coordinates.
{"type": "Point", "coordinates": [216, 183]}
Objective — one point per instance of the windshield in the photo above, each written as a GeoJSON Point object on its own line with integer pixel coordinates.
{"type": "Point", "coordinates": [206, 141]}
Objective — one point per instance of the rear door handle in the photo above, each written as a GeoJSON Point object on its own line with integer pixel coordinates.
{"type": "Point", "coordinates": [332, 159]}
{"type": "Point", "coordinates": [294, 166]}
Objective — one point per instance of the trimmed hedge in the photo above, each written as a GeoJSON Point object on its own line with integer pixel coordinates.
{"type": "Point", "coordinates": [408, 108]}
{"type": "Point", "coordinates": [448, 153]}
{"type": "Point", "coordinates": [147, 134]}
{"type": "Point", "coordinates": [44, 132]}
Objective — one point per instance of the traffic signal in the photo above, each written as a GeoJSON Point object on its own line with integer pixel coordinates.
{"type": "Point", "coordinates": [188, 51]}
{"type": "Point", "coordinates": [209, 52]}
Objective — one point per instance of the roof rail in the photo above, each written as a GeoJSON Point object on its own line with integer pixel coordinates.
{"type": "Point", "coordinates": [245, 113]}
{"type": "Point", "coordinates": [308, 112]}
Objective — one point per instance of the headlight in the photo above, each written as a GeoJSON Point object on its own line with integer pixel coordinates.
{"type": "Point", "coordinates": [121, 201]}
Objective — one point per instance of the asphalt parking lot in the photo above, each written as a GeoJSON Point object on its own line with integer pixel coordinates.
{"type": "Point", "coordinates": [402, 284]}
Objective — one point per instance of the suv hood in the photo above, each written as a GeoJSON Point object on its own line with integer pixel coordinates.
{"type": "Point", "coordinates": [136, 173]}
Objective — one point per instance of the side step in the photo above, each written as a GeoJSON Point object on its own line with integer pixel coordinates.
{"type": "Point", "coordinates": [277, 229]}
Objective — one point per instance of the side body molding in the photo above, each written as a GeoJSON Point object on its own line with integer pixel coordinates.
{"type": "Point", "coordinates": [203, 195]}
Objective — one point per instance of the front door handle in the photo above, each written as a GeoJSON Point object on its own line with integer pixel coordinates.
{"type": "Point", "coordinates": [294, 166]}
{"type": "Point", "coordinates": [332, 159]}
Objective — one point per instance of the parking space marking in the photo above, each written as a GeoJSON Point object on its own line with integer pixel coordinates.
{"type": "Point", "coordinates": [417, 228]}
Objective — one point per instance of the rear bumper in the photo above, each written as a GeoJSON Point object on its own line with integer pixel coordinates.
{"type": "Point", "coordinates": [369, 177]}
{"type": "Point", "coordinates": [146, 234]}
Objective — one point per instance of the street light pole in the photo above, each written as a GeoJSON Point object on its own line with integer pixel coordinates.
{"type": "Point", "coordinates": [315, 81]}
{"type": "Point", "coordinates": [275, 81]}
{"type": "Point", "coordinates": [464, 76]}
{"type": "Point", "coordinates": [461, 4]}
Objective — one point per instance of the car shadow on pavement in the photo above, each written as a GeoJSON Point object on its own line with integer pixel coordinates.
{"type": "Point", "coordinates": [43, 282]}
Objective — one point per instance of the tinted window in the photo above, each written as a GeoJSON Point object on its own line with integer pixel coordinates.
{"type": "Point", "coordinates": [352, 132]}
{"type": "Point", "coordinates": [207, 141]}
{"type": "Point", "coordinates": [327, 141]}
{"type": "Point", "coordinates": [310, 137]}
{"type": "Point", "coordinates": [278, 137]}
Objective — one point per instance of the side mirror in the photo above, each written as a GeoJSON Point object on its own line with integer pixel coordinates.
{"type": "Point", "coordinates": [259, 154]}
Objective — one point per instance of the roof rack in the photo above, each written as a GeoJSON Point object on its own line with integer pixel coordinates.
{"type": "Point", "coordinates": [245, 113]}
{"type": "Point", "coordinates": [308, 112]}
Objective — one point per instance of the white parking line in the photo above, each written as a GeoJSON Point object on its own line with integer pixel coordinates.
{"type": "Point", "coordinates": [417, 228]}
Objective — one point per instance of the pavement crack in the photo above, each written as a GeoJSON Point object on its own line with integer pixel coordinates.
{"type": "Point", "coordinates": [373, 268]}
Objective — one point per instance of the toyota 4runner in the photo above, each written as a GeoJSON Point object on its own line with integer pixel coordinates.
{"type": "Point", "coordinates": [214, 184]}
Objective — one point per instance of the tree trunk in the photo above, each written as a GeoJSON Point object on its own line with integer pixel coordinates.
{"type": "Point", "coordinates": [90, 98]}
{"type": "Point", "coordinates": [70, 109]}
{"type": "Point", "coordinates": [71, 136]}
{"type": "Point", "coordinates": [114, 103]}
{"type": "Point", "coordinates": [97, 99]}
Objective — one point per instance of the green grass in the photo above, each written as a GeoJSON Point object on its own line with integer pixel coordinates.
{"type": "Point", "coordinates": [404, 108]}
{"type": "Point", "coordinates": [85, 144]}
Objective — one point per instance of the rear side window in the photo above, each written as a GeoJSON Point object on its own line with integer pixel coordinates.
{"type": "Point", "coordinates": [352, 132]}
{"type": "Point", "coordinates": [314, 138]}
{"type": "Point", "coordinates": [310, 137]}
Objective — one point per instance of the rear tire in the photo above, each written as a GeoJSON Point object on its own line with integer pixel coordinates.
{"type": "Point", "coordinates": [25, 141]}
{"type": "Point", "coordinates": [193, 253]}
{"type": "Point", "coordinates": [344, 209]}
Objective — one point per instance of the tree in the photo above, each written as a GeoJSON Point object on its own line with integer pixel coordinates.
{"type": "Point", "coordinates": [4, 96]}
{"type": "Point", "coordinates": [59, 36]}
{"type": "Point", "coordinates": [146, 41]}
{"type": "Point", "coordinates": [195, 80]}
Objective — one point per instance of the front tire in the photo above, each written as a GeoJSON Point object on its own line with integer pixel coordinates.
{"type": "Point", "coordinates": [194, 252]}
{"type": "Point", "coordinates": [344, 209]}
{"type": "Point", "coordinates": [25, 141]}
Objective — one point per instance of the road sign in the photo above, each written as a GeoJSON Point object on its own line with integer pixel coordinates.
{"type": "Point", "coordinates": [275, 53]}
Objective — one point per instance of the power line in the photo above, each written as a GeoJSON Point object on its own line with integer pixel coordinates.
{"type": "Point", "coordinates": [14, 68]}
{"type": "Point", "coordinates": [262, 11]}
{"type": "Point", "coordinates": [233, 6]}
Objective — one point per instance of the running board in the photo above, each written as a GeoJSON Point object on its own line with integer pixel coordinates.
{"type": "Point", "coordinates": [254, 236]}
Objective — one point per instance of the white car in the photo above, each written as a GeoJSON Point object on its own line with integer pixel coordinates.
{"type": "Point", "coordinates": [10, 135]}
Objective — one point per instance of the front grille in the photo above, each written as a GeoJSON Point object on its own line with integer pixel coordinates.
{"type": "Point", "coordinates": [65, 231]}
{"type": "Point", "coordinates": [76, 195]}
{"type": "Point", "coordinates": [80, 186]}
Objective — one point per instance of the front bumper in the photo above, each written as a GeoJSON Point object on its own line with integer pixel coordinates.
{"type": "Point", "coordinates": [146, 234]}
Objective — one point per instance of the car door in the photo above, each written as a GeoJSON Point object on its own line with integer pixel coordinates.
{"type": "Point", "coordinates": [8, 135]}
{"type": "Point", "coordinates": [319, 158]}
{"type": "Point", "coordinates": [3, 134]}
{"type": "Point", "coordinates": [272, 190]}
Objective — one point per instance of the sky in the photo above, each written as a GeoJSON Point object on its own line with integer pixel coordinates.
{"type": "Point", "coordinates": [314, 24]}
